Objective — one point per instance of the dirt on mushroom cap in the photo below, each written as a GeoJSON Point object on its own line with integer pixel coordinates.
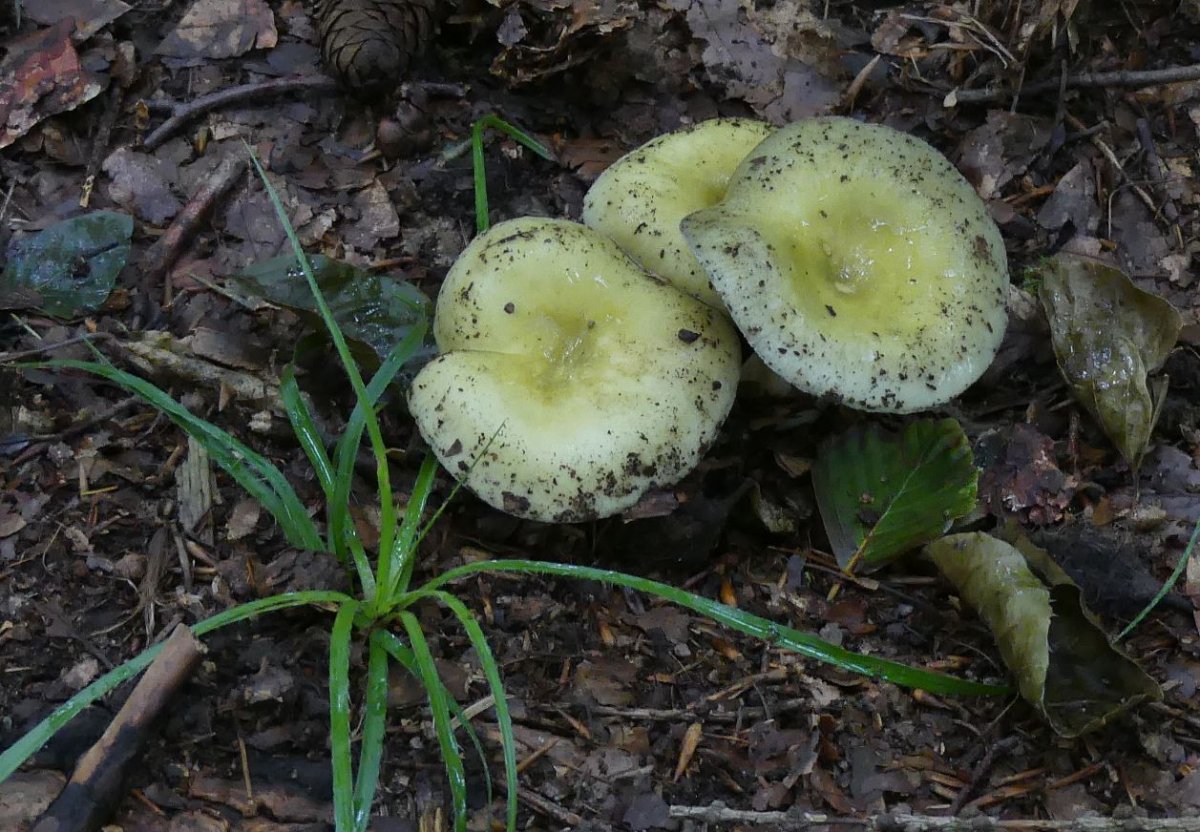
{"type": "Point", "coordinates": [597, 382]}
{"type": "Point", "coordinates": [859, 264]}
{"type": "Point", "coordinates": [640, 199]}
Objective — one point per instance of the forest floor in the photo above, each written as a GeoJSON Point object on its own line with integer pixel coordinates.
{"type": "Point", "coordinates": [629, 714]}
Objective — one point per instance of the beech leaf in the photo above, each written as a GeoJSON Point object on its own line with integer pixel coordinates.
{"type": "Point", "coordinates": [1108, 336]}
{"type": "Point", "coordinates": [1064, 663]}
{"type": "Point", "coordinates": [882, 495]}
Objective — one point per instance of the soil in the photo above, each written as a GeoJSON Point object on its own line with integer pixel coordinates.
{"type": "Point", "coordinates": [630, 714]}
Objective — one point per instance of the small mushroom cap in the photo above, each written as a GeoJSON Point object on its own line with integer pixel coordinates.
{"type": "Point", "coordinates": [640, 199]}
{"type": "Point", "coordinates": [859, 264]}
{"type": "Point", "coordinates": [592, 381]}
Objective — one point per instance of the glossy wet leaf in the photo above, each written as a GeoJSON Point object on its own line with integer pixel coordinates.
{"type": "Point", "coordinates": [72, 265]}
{"type": "Point", "coordinates": [1062, 659]}
{"type": "Point", "coordinates": [374, 311]}
{"type": "Point", "coordinates": [1108, 337]}
{"type": "Point", "coordinates": [883, 494]}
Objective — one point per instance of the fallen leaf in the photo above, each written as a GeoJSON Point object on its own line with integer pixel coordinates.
{"type": "Point", "coordinates": [1063, 661]}
{"type": "Point", "coordinates": [1108, 337]}
{"type": "Point", "coordinates": [882, 495]}
{"type": "Point", "coordinates": [780, 60]}
{"type": "Point", "coordinates": [90, 16]}
{"type": "Point", "coordinates": [41, 76]}
{"type": "Point", "coordinates": [220, 29]}
{"type": "Point", "coordinates": [73, 264]}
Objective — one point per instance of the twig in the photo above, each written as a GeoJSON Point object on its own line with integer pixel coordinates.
{"type": "Point", "coordinates": [1155, 168]}
{"type": "Point", "coordinates": [719, 813]}
{"type": "Point", "coordinates": [166, 250]}
{"type": "Point", "coordinates": [13, 357]}
{"type": "Point", "coordinates": [96, 786]}
{"type": "Point", "coordinates": [181, 114]}
{"type": "Point", "coordinates": [981, 773]}
{"type": "Point", "coordinates": [103, 133]}
{"type": "Point", "coordinates": [1125, 79]}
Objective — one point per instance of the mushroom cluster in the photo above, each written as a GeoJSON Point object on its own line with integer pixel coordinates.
{"type": "Point", "coordinates": [856, 261]}
{"type": "Point", "coordinates": [570, 382]}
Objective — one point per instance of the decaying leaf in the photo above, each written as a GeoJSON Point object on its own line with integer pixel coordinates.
{"type": "Point", "coordinates": [220, 29]}
{"type": "Point", "coordinates": [882, 495]}
{"type": "Point", "coordinates": [72, 265]}
{"type": "Point", "coordinates": [1108, 337]}
{"type": "Point", "coordinates": [781, 59]}
{"type": "Point", "coordinates": [41, 76]}
{"type": "Point", "coordinates": [1064, 663]}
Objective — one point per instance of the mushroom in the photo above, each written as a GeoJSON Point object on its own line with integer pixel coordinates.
{"type": "Point", "coordinates": [570, 382]}
{"type": "Point", "coordinates": [859, 264]}
{"type": "Point", "coordinates": [640, 199]}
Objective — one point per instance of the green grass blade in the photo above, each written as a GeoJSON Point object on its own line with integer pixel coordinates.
{"type": "Point", "coordinates": [404, 552]}
{"type": "Point", "coordinates": [440, 711]}
{"type": "Point", "coordinates": [806, 644]}
{"type": "Point", "coordinates": [402, 654]}
{"type": "Point", "coordinates": [1166, 587]}
{"type": "Point", "coordinates": [370, 753]}
{"type": "Point", "coordinates": [491, 670]}
{"type": "Point", "coordinates": [252, 471]}
{"type": "Point", "coordinates": [339, 716]}
{"type": "Point", "coordinates": [478, 168]}
{"type": "Point", "coordinates": [387, 507]}
{"type": "Point", "coordinates": [306, 432]}
{"type": "Point", "coordinates": [512, 131]}
{"type": "Point", "coordinates": [36, 737]}
{"type": "Point", "coordinates": [346, 450]}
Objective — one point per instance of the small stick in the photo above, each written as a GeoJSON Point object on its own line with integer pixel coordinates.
{"type": "Point", "coordinates": [981, 773]}
{"type": "Point", "coordinates": [167, 249]}
{"type": "Point", "coordinates": [181, 114]}
{"type": "Point", "coordinates": [1155, 168]}
{"type": "Point", "coordinates": [1123, 79]}
{"type": "Point", "coordinates": [96, 786]}
{"type": "Point", "coordinates": [103, 133]}
{"type": "Point", "coordinates": [719, 813]}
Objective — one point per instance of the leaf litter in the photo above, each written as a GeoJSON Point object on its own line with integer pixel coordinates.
{"type": "Point", "coordinates": [601, 81]}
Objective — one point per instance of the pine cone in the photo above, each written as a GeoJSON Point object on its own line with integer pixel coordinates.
{"type": "Point", "coordinates": [369, 44]}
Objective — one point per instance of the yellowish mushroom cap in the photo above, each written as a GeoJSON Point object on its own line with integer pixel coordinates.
{"type": "Point", "coordinates": [640, 199]}
{"type": "Point", "coordinates": [597, 382]}
{"type": "Point", "coordinates": [859, 264]}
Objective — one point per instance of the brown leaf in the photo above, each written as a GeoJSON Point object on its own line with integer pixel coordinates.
{"type": "Point", "coordinates": [41, 76]}
{"type": "Point", "coordinates": [220, 29]}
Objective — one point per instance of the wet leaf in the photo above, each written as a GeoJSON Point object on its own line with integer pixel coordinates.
{"type": "Point", "coordinates": [374, 311]}
{"type": "Point", "coordinates": [1108, 336]}
{"type": "Point", "coordinates": [1063, 661]}
{"type": "Point", "coordinates": [883, 494]}
{"type": "Point", "coordinates": [73, 264]}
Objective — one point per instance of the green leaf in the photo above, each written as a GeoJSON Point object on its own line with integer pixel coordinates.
{"type": "Point", "coordinates": [374, 311]}
{"type": "Point", "coordinates": [882, 495]}
{"type": "Point", "coordinates": [1108, 337]}
{"type": "Point", "coordinates": [1064, 663]}
{"type": "Point", "coordinates": [73, 264]}
{"type": "Point", "coordinates": [779, 635]}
